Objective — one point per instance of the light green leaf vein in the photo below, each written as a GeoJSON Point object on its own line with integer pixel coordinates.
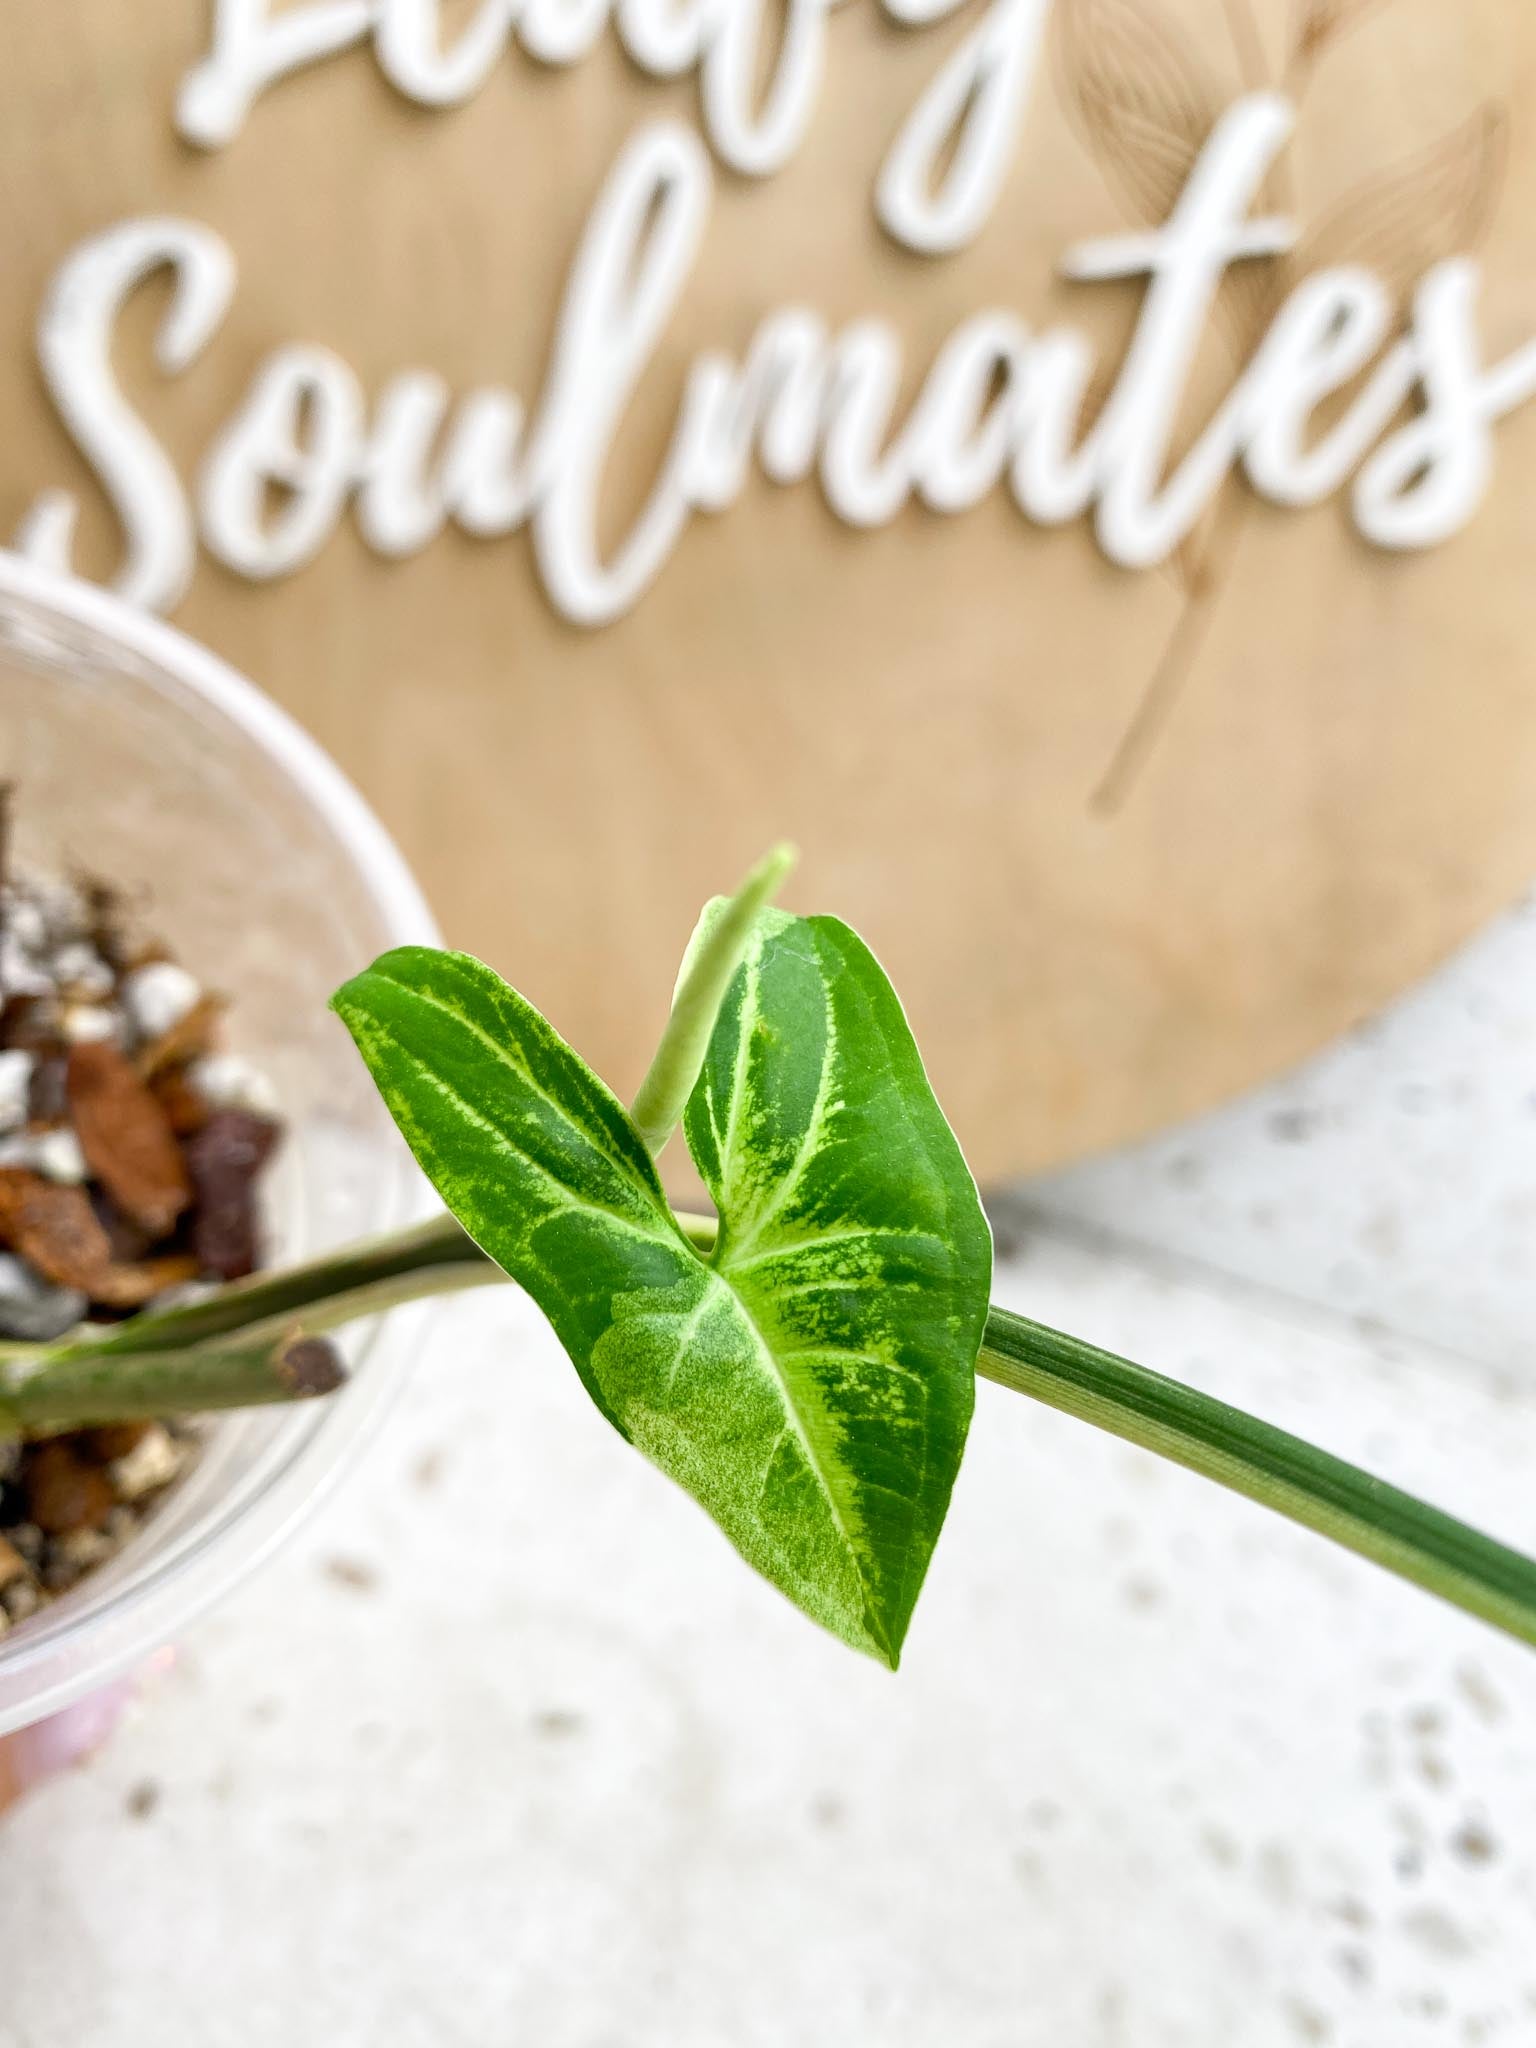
{"type": "Point", "coordinates": [811, 1384]}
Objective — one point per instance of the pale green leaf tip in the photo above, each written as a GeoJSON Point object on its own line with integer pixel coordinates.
{"type": "Point", "coordinates": [776, 865]}
{"type": "Point", "coordinates": [888, 1632]}
{"type": "Point", "coordinates": [344, 995]}
{"type": "Point", "coordinates": [872, 1643]}
{"type": "Point", "coordinates": [766, 879]}
{"type": "Point", "coordinates": [351, 1001]}
{"type": "Point", "coordinates": [398, 966]}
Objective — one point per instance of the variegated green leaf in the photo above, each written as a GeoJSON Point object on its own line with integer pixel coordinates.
{"type": "Point", "coordinates": [854, 1244]}
{"type": "Point", "coordinates": [810, 1384]}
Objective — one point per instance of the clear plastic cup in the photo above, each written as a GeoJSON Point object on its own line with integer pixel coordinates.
{"type": "Point", "coordinates": [136, 753]}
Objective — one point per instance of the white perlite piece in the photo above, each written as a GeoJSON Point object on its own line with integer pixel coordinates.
{"type": "Point", "coordinates": [24, 921]}
{"type": "Point", "coordinates": [61, 907]}
{"type": "Point", "coordinates": [56, 1155]}
{"type": "Point", "coordinates": [157, 997]}
{"type": "Point", "coordinates": [80, 969]}
{"type": "Point", "coordinates": [32, 1310]}
{"type": "Point", "coordinates": [15, 1085]}
{"type": "Point", "coordinates": [84, 1549]}
{"type": "Point", "coordinates": [89, 1024]}
{"type": "Point", "coordinates": [153, 1462]}
{"type": "Point", "coordinates": [20, 974]}
{"type": "Point", "coordinates": [227, 1081]}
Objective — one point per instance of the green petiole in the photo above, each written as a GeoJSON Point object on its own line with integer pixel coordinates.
{"type": "Point", "coordinates": [1282, 1472]}
{"type": "Point", "coordinates": [809, 1352]}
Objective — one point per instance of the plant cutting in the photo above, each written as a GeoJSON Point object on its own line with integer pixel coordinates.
{"type": "Point", "coordinates": [803, 1361]}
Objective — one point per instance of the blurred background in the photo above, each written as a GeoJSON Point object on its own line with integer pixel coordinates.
{"type": "Point", "coordinates": [621, 442]}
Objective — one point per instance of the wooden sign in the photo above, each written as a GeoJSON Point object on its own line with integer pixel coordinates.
{"type": "Point", "coordinates": [1069, 463]}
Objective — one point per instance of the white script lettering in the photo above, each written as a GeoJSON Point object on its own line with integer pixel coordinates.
{"type": "Point", "coordinates": [1001, 405]}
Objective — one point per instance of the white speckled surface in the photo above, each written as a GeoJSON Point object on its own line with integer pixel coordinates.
{"type": "Point", "coordinates": [508, 1750]}
{"type": "Point", "coordinates": [1394, 1177]}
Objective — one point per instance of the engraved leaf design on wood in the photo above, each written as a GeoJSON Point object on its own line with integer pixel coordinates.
{"type": "Point", "coordinates": [1140, 97]}
{"type": "Point", "coordinates": [1145, 104]}
{"type": "Point", "coordinates": [1433, 205]}
{"type": "Point", "coordinates": [1319, 21]}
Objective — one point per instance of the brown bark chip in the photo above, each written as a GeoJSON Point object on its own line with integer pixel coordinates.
{"type": "Point", "coordinates": [54, 1228]}
{"type": "Point", "coordinates": [114, 1440]}
{"type": "Point", "coordinates": [188, 1039]}
{"type": "Point", "coordinates": [185, 1106]}
{"type": "Point", "coordinates": [129, 1287]}
{"type": "Point", "coordinates": [48, 1089]}
{"type": "Point", "coordinates": [225, 1158]}
{"type": "Point", "coordinates": [107, 921]}
{"type": "Point", "coordinates": [64, 1492]}
{"type": "Point", "coordinates": [126, 1137]}
{"type": "Point", "coordinates": [29, 1024]}
{"type": "Point", "coordinates": [130, 1241]}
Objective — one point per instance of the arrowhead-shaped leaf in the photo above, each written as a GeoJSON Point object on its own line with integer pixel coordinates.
{"type": "Point", "coordinates": [809, 1383]}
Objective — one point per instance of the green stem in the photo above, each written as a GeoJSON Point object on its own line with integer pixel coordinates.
{"type": "Point", "coordinates": [436, 1257]}
{"type": "Point", "coordinates": [712, 958]}
{"type": "Point", "coordinates": [1282, 1472]}
{"type": "Point", "coordinates": [144, 1355]}
{"type": "Point", "coordinates": [150, 1366]}
{"type": "Point", "coordinates": [73, 1390]}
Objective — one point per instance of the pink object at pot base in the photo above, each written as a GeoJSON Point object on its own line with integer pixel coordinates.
{"type": "Point", "coordinates": [31, 1756]}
